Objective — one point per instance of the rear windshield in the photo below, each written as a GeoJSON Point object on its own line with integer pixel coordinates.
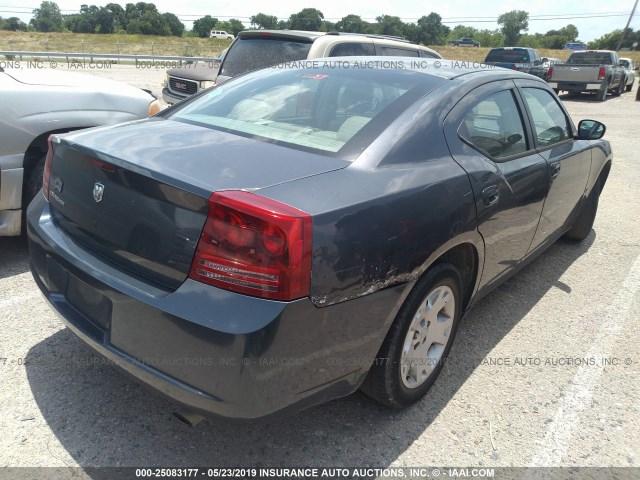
{"type": "Point", "coordinates": [508, 56]}
{"type": "Point", "coordinates": [253, 53]}
{"type": "Point", "coordinates": [317, 108]}
{"type": "Point", "coordinates": [589, 58]}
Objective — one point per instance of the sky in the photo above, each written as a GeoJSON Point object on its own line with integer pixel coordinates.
{"type": "Point", "coordinates": [480, 14]}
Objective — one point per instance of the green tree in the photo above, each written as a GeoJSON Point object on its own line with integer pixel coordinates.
{"type": "Point", "coordinates": [47, 18]}
{"type": "Point", "coordinates": [389, 25]}
{"type": "Point", "coordinates": [306, 19]}
{"type": "Point", "coordinates": [431, 31]}
{"type": "Point", "coordinates": [264, 21]}
{"type": "Point", "coordinates": [353, 24]}
{"type": "Point", "coordinates": [489, 38]}
{"type": "Point", "coordinates": [513, 23]}
{"type": "Point", "coordinates": [13, 24]}
{"type": "Point", "coordinates": [175, 25]}
{"type": "Point", "coordinates": [204, 25]}
{"type": "Point", "coordinates": [460, 31]}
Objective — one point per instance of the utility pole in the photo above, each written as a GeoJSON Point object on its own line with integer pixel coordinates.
{"type": "Point", "coordinates": [624, 32]}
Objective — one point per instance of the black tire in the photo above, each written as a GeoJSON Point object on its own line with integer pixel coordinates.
{"type": "Point", "coordinates": [31, 187]}
{"type": "Point", "coordinates": [628, 87]}
{"type": "Point", "coordinates": [602, 94]}
{"type": "Point", "coordinates": [618, 91]}
{"type": "Point", "coordinates": [384, 382]}
{"type": "Point", "coordinates": [582, 228]}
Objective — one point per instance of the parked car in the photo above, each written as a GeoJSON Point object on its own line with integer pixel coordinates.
{"type": "Point", "coordinates": [221, 34]}
{"type": "Point", "coordinates": [190, 78]}
{"type": "Point", "coordinates": [630, 75]}
{"type": "Point", "coordinates": [254, 49]}
{"type": "Point", "coordinates": [575, 46]}
{"type": "Point", "coordinates": [37, 103]}
{"type": "Point", "coordinates": [295, 234]}
{"type": "Point", "coordinates": [526, 60]}
{"type": "Point", "coordinates": [465, 42]}
{"type": "Point", "coordinates": [593, 71]}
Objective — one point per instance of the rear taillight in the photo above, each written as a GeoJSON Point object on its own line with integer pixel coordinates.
{"type": "Point", "coordinates": [550, 72]}
{"type": "Point", "coordinates": [46, 175]}
{"type": "Point", "coordinates": [251, 244]}
{"type": "Point", "coordinates": [602, 73]}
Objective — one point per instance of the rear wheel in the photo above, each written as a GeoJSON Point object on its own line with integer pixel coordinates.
{"type": "Point", "coordinates": [620, 88]}
{"type": "Point", "coordinates": [418, 343]}
{"type": "Point", "coordinates": [602, 94]}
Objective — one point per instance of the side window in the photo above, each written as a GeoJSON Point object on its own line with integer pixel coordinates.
{"type": "Point", "coordinates": [551, 124]}
{"type": "Point", "coordinates": [353, 50]}
{"type": "Point", "coordinates": [494, 126]}
{"type": "Point", "coordinates": [397, 52]}
{"type": "Point", "coordinates": [427, 54]}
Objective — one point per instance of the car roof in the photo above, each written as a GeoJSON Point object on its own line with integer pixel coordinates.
{"type": "Point", "coordinates": [440, 68]}
{"type": "Point", "coordinates": [310, 36]}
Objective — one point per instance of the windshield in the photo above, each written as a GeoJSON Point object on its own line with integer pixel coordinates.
{"type": "Point", "coordinates": [250, 54]}
{"type": "Point", "coordinates": [320, 109]}
{"type": "Point", "coordinates": [508, 56]}
{"type": "Point", "coordinates": [589, 58]}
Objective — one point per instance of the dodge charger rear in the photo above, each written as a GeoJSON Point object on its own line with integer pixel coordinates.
{"type": "Point", "coordinates": [253, 249]}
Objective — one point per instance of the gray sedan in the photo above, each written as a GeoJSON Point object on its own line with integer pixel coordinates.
{"type": "Point", "coordinates": [304, 231]}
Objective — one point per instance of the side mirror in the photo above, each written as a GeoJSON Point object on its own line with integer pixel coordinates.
{"type": "Point", "coordinates": [591, 130]}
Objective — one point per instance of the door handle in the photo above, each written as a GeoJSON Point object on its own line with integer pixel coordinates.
{"type": "Point", "coordinates": [491, 195]}
{"type": "Point", "coordinates": [555, 169]}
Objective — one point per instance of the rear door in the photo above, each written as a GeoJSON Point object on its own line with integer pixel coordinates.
{"type": "Point", "coordinates": [568, 160]}
{"type": "Point", "coordinates": [488, 137]}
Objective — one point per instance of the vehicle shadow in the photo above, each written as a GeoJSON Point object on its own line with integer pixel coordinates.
{"type": "Point", "coordinates": [14, 256]}
{"type": "Point", "coordinates": [103, 418]}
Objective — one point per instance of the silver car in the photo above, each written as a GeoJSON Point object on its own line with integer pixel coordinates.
{"type": "Point", "coordinates": [39, 102]}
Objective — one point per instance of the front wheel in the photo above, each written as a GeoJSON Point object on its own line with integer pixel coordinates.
{"type": "Point", "coordinates": [419, 340]}
{"type": "Point", "coordinates": [582, 228]}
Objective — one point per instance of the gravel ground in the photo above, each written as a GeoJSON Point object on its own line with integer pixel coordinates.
{"type": "Point", "coordinates": [508, 397]}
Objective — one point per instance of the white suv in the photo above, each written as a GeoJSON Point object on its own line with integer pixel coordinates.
{"type": "Point", "coordinates": [221, 34]}
{"type": "Point", "coordinates": [254, 49]}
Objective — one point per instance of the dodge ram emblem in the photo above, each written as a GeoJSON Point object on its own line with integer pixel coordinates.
{"type": "Point", "coordinates": [98, 191]}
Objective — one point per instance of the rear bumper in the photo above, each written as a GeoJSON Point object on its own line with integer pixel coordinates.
{"type": "Point", "coordinates": [576, 86]}
{"type": "Point", "coordinates": [169, 97]}
{"type": "Point", "coordinates": [214, 351]}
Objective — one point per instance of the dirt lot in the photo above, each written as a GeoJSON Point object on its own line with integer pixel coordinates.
{"type": "Point", "coordinates": [544, 370]}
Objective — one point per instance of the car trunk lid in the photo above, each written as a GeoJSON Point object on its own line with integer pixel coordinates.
{"type": "Point", "coordinates": [137, 193]}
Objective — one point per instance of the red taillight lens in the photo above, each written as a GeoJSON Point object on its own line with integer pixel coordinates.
{"type": "Point", "coordinates": [46, 175]}
{"type": "Point", "coordinates": [602, 73]}
{"type": "Point", "coordinates": [251, 244]}
{"type": "Point", "coordinates": [550, 72]}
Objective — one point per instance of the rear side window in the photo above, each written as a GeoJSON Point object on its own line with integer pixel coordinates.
{"type": "Point", "coordinates": [428, 54]}
{"type": "Point", "coordinates": [398, 52]}
{"type": "Point", "coordinates": [551, 124]}
{"type": "Point", "coordinates": [494, 126]}
{"type": "Point", "coordinates": [353, 50]}
{"type": "Point", "coordinates": [253, 53]}
{"type": "Point", "coordinates": [508, 56]}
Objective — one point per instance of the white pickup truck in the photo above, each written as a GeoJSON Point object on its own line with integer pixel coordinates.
{"type": "Point", "coordinates": [39, 102]}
